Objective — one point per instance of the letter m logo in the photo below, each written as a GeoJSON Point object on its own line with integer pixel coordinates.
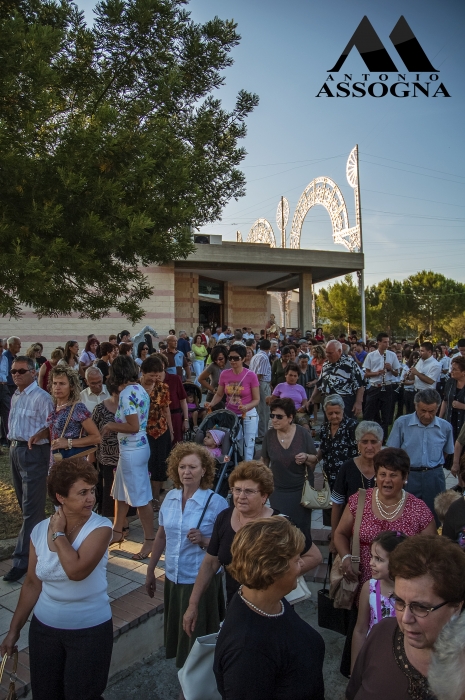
{"type": "Point", "coordinates": [377, 59]}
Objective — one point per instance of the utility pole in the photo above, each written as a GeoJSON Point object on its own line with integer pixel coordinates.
{"type": "Point", "coordinates": [362, 272]}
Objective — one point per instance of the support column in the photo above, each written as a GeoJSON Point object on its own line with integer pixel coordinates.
{"type": "Point", "coordinates": [305, 302]}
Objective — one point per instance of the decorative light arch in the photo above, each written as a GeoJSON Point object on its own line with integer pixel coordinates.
{"type": "Point", "coordinates": [262, 232]}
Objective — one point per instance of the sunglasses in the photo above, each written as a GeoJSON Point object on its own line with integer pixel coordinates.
{"type": "Point", "coordinates": [235, 358]}
{"type": "Point", "coordinates": [20, 371]}
{"type": "Point", "coordinates": [278, 416]}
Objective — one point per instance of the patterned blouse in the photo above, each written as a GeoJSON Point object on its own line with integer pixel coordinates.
{"type": "Point", "coordinates": [57, 419]}
{"type": "Point", "coordinates": [108, 450]}
{"type": "Point", "coordinates": [337, 448]}
{"type": "Point", "coordinates": [133, 400]}
{"type": "Point", "coordinates": [159, 398]}
{"type": "Point", "coordinates": [342, 377]}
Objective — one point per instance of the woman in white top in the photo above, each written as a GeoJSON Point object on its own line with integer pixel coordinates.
{"type": "Point", "coordinates": [88, 355]}
{"type": "Point", "coordinates": [71, 632]}
{"type": "Point", "coordinates": [131, 486]}
{"type": "Point", "coordinates": [186, 521]}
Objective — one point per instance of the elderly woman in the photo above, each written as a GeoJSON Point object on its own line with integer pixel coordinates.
{"type": "Point", "coordinates": [289, 451]}
{"type": "Point", "coordinates": [251, 484]}
{"type": "Point", "coordinates": [69, 418]}
{"type": "Point", "coordinates": [71, 631]}
{"type": "Point", "coordinates": [210, 377]}
{"type": "Point", "coordinates": [241, 390]}
{"type": "Point", "coordinates": [428, 575]}
{"type": "Point", "coordinates": [186, 523]}
{"type": "Point", "coordinates": [357, 472]}
{"type": "Point", "coordinates": [131, 486]}
{"type": "Point", "coordinates": [446, 673]}
{"type": "Point", "coordinates": [453, 405]}
{"type": "Point", "coordinates": [307, 377]}
{"type": "Point", "coordinates": [265, 651]}
{"type": "Point", "coordinates": [279, 365]}
{"type": "Point", "coordinates": [337, 442]}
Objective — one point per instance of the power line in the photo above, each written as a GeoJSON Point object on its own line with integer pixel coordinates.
{"type": "Point", "coordinates": [433, 177]}
{"type": "Point", "coordinates": [412, 165]}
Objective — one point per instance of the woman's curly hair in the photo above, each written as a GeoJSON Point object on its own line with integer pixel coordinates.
{"type": "Point", "coordinates": [73, 379]}
{"type": "Point", "coordinates": [261, 551]}
{"type": "Point", "coordinates": [183, 449]}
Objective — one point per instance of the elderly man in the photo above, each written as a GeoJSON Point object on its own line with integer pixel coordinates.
{"type": "Point", "coordinates": [183, 343]}
{"type": "Point", "coordinates": [260, 364]}
{"type": "Point", "coordinates": [96, 391]}
{"type": "Point", "coordinates": [177, 362]}
{"type": "Point", "coordinates": [427, 440]}
{"type": "Point", "coordinates": [340, 375]}
{"type": "Point", "coordinates": [30, 406]}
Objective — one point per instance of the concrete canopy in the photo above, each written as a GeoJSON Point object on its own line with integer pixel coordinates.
{"type": "Point", "coordinates": [259, 266]}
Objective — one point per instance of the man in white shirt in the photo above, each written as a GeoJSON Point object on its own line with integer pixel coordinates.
{"type": "Point", "coordinates": [427, 371]}
{"type": "Point", "coordinates": [96, 391]}
{"type": "Point", "coordinates": [260, 364]}
{"type": "Point", "coordinates": [247, 333]}
{"type": "Point", "coordinates": [30, 407]}
{"type": "Point", "coordinates": [381, 369]}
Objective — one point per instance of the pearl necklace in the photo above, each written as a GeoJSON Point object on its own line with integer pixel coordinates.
{"type": "Point", "coordinates": [262, 612]}
{"type": "Point", "coordinates": [382, 507]}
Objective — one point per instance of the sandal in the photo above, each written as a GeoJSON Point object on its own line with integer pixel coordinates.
{"type": "Point", "coordinates": [140, 556]}
{"type": "Point", "coordinates": [118, 542]}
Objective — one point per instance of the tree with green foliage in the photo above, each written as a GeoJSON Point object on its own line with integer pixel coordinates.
{"type": "Point", "coordinates": [340, 305]}
{"type": "Point", "coordinates": [112, 148]}
{"type": "Point", "coordinates": [433, 300]}
{"type": "Point", "coordinates": [386, 307]}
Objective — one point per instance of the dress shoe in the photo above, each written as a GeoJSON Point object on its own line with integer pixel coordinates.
{"type": "Point", "coordinates": [15, 574]}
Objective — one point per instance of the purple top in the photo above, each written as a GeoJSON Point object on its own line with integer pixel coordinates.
{"type": "Point", "coordinates": [296, 392]}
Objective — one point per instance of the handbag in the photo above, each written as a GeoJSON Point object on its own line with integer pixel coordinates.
{"type": "Point", "coordinates": [311, 498]}
{"type": "Point", "coordinates": [300, 593]}
{"type": "Point", "coordinates": [329, 617]}
{"type": "Point", "coordinates": [342, 591]}
{"type": "Point", "coordinates": [12, 687]}
{"type": "Point", "coordinates": [196, 677]}
{"type": "Point", "coordinates": [81, 451]}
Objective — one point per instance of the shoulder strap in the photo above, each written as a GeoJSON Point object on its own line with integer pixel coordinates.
{"type": "Point", "coordinates": [205, 509]}
{"type": "Point", "coordinates": [68, 419]}
{"type": "Point", "coordinates": [358, 521]}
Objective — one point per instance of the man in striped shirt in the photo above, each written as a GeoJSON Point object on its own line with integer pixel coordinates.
{"type": "Point", "coordinates": [260, 364]}
{"type": "Point", "coordinates": [30, 406]}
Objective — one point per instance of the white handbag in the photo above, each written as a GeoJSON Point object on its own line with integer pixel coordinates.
{"type": "Point", "coordinates": [316, 498]}
{"type": "Point", "coordinates": [196, 677]}
{"type": "Point", "coordinates": [300, 593]}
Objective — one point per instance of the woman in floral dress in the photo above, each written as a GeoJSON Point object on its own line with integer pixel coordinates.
{"type": "Point", "coordinates": [131, 486]}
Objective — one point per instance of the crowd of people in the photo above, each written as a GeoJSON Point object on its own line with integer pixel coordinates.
{"type": "Point", "coordinates": [111, 432]}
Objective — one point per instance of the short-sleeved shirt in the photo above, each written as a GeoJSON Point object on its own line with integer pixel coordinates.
{"type": "Point", "coordinates": [260, 364]}
{"type": "Point", "coordinates": [238, 388]}
{"type": "Point", "coordinates": [339, 447]}
{"type": "Point", "coordinates": [374, 361]}
{"type": "Point", "coordinates": [342, 377]}
{"type": "Point", "coordinates": [57, 419]}
{"type": "Point", "coordinates": [296, 392]}
{"type": "Point", "coordinates": [159, 398]}
{"type": "Point", "coordinates": [432, 369]}
{"type": "Point", "coordinates": [348, 481]}
{"type": "Point", "coordinates": [133, 400]}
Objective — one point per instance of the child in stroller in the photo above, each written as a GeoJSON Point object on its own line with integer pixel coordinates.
{"type": "Point", "coordinates": [212, 441]}
{"type": "Point", "coordinates": [226, 423]}
{"type": "Point", "coordinates": [195, 411]}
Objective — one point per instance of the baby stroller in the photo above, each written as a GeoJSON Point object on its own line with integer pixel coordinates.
{"type": "Point", "coordinates": [229, 423]}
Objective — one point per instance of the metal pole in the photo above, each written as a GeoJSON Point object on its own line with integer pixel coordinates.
{"type": "Point", "coordinates": [362, 276]}
{"type": "Point", "coordinates": [283, 235]}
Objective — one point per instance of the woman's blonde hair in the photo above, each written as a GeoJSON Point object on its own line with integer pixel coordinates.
{"type": "Point", "coordinates": [255, 471]}
{"type": "Point", "coordinates": [73, 379]}
{"type": "Point", "coordinates": [212, 342]}
{"type": "Point", "coordinates": [30, 352]}
{"type": "Point", "coordinates": [261, 551]}
{"type": "Point", "coordinates": [183, 449]}
{"type": "Point", "coordinates": [319, 351]}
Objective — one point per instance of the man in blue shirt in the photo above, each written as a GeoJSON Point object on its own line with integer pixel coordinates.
{"type": "Point", "coordinates": [183, 343]}
{"type": "Point", "coordinates": [427, 440]}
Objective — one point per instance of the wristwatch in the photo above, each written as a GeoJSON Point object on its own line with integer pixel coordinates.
{"type": "Point", "coordinates": [70, 444]}
{"type": "Point", "coordinates": [58, 534]}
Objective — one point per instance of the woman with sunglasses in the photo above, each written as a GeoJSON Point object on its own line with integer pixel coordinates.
{"type": "Point", "coordinates": [287, 449]}
{"type": "Point", "coordinates": [142, 352]}
{"type": "Point", "coordinates": [428, 574]}
{"type": "Point", "coordinates": [241, 390]}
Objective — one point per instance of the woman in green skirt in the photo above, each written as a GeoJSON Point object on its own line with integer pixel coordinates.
{"type": "Point", "coordinates": [186, 521]}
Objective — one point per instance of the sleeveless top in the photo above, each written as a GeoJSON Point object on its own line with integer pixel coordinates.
{"type": "Point", "coordinates": [66, 604]}
{"type": "Point", "coordinates": [48, 369]}
{"type": "Point", "coordinates": [380, 606]}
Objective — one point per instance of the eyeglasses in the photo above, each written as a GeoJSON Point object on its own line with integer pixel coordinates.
{"type": "Point", "coordinates": [247, 492]}
{"type": "Point", "coordinates": [144, 348]}
{"type": "Point", "coordinates": [278, 416]}
{"type": "Point", "coordinates": [417, 609]}
{"type": "Point", "coordinates": [20, 371]}
{"type": "Point", "coordinates": [235, 358]}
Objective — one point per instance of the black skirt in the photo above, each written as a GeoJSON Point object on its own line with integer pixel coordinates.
{"type": "Point", "coordinates": [159, 451]}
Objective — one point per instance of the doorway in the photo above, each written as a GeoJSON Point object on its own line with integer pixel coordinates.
{"type": "Point", "coordinates": [210, 314]}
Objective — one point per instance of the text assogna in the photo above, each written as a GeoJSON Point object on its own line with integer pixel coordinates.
{"type": "Point", "coordinates": [380, 85]}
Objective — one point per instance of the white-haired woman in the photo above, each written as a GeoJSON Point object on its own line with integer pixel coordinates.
{"type": "Point", "coordinates": [446, 675]}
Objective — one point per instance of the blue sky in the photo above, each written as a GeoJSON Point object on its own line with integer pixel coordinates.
{"type": "Point", "coordinates": [411, 150]}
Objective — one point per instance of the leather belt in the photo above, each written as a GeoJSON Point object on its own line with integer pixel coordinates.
{"type": "Point", "coordinates": [3, 383]}
{"type": "Point", "coordinates": [378, 386]}
{"type": "Point", "coordinates": [425, 469]}
{"type": "Point", "coordinates": [18, 443]}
